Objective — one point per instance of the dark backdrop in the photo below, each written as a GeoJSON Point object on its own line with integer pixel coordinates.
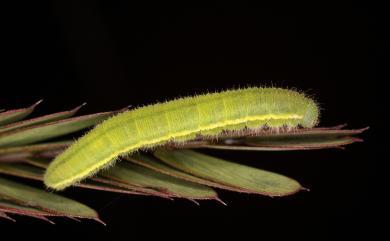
{"type": "Point", "coordinates": [111, 55]}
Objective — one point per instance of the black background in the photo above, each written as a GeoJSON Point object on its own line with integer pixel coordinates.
{"type": "Point", "coordinates": [111, 55]}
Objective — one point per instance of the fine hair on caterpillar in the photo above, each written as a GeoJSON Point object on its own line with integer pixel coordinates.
{"type": "Point", "coordinates": [181, 120]}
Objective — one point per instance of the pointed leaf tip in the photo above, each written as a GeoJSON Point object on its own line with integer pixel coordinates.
{"type": "Point", "coordinates": [40, 120]}
{"type": "Point", "coordinates": [4, 215]}
{"type": "Point", "coordinates": [17, 114]}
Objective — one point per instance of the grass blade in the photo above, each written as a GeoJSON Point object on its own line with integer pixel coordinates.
{"type": "Point", "coordinates": [21, 170]}
{"type": "Point", "coordinates": [33, 197]}
{"type": "Point", "coordinates": [283, 140]}
{"type": "Point", "coordinates": [285, 144]}
{"type": "Point", "coordinates": [36, 148]}
{"type": "Point", "coordinates": [41, 163]}
{"type": "Point", "coordinates": [293, 145]}
{"type": "Point", "coordinates": [40, 120]}
{"type": "Point", "coordinates": [36, 173]}
{"type": "Point", "coordinates": [105, 178]}
{"type": "Point", "coordinates": [20, 153]}
{"type": "Point", "coordinates": [250, 179]}
{"type": "Point", "coordinates": [100, 183]}
{"type": "Point", "coordinates": [128, 186]}
{"type": "Point", "coordinates": [12, 208]}
{"type": "Point", "coordinates": [16, 115]}
{"type": "Point", "coordinates": [140, 176]}
{"type": "Point", "coordinates": [335, 131]}
{"type": "Point", "coordinates": [315, 133]}
{"type": "Point", "coordinates": [156, 165]}
{"type": "Point", "coordinates": [49, 130]}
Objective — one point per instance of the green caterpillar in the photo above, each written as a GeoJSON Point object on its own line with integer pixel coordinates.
{"type": "Point", "coordinates": [179, 120]}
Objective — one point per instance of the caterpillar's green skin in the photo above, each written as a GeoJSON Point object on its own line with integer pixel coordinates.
{"type": "Point", "coordinates": [179, 120]}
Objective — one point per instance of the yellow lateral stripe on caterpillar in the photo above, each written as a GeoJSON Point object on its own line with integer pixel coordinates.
{"type": "Point", "coordinates": [179, 120]}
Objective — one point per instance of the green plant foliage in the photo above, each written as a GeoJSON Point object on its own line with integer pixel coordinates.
{"type": "Point", "coordinates": [179, 120]}
{"type": "Point", "coordinates": [173, 172]}
{"type": "Point", "coordinates": [140, 176]}
{"type": "Point", "coordinates": [49, 202]}
{"type": "Point", "coordinates": [158, 166]}
{"type": "Point", "coordinates": [16, 115]}
{"type": "Point", "coordinates": [245, 178]}
{"type": "Point", "coordinates": [40, 120]}
{"type": "Point", "coordinates": [41, 132]}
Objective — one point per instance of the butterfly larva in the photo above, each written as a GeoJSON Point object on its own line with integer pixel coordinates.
{"type": "Point", "coordinates": [179, 120]}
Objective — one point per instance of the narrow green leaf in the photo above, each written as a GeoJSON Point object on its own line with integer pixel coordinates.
{"type": "Point", "coordinates": [49, 202]}
{"type": "Point", "coordinates": [34, 173]}
{"type": "Point", "coordinates": [283, 140]}
{"type": "Point", "coordinates": [140, 176]}
{"type": "Point", "coordinates": [287, 145]}
{"type": "Point", "coordinates": [13, 208]}
{"type": "Point", "coordinates": [41, 163]}
{"type": "Point", "coordinates": [20, 153]}
{"type": "Point", "coordinates": [110, 186]}
{"type": "Point", "coordinates": [21, 170]}
{"type": "Point", "coordinates": [49, 130]}
{"type": "Point", "coordinates": [156, 165]}
{"type": "Point", "coordinates": [315, 133]}
{"type": "Point", "coordinates": [316, 138]}
{"type": "Point", "coordinates": [40, 120]}
{"type": "Point", "coordinates": [15, 115]}
{"type": "Point", "coordinates": [101, 180]}
{"type": "Point", "coordinates": [300, 143]}
{"type": "Point", "coordinates": [250, 179]}
{"type": "Point", "coordinates": [59, 145]}
{"type": "Point", "coordinates": [321, 132]}
{"type": "Point", "coordinates": [128, 186]}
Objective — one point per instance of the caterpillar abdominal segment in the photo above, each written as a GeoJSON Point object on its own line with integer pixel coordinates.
{"type": "Point", "coordinates": [179, 121]}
